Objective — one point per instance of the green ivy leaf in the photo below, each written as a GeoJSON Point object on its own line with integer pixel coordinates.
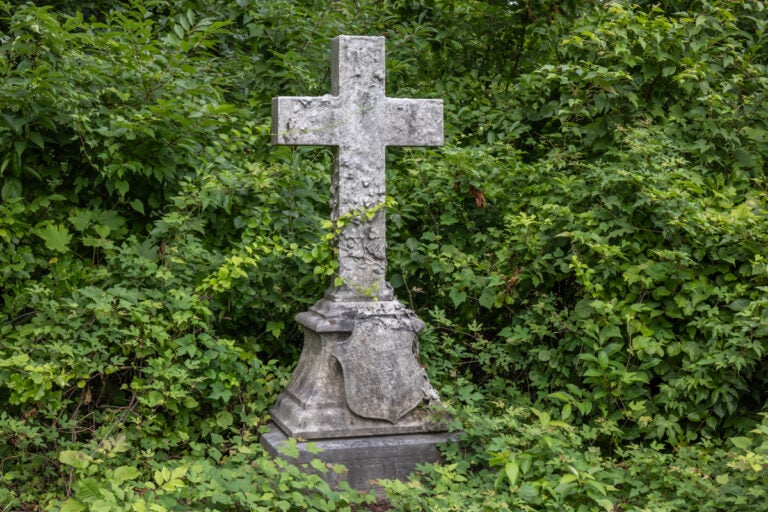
{"type": "Point", "coordinates": [290, 448]}
{"type": "Point", "coordinates": [275, 328]}
{"type": "Point", "coordinates": [102, 230]}
{"type": "Point", "coordinates": [318, 465]}
{"type": "Point", "coordinates": [313, 448]}
{"type": "Point", "coordinates": [224, 419]}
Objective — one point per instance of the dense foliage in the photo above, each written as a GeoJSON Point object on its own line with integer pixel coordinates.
{"type": "Point", "coordinates": [589, 250]}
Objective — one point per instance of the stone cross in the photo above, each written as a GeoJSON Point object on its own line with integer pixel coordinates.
{"type": "Point", "coordinates": [361, 121]}
{"type": "Point", "coordinates": [358, 390]}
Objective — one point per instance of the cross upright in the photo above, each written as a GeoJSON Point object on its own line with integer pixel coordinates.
{"type": "Point", "coordinates": [361, 121]}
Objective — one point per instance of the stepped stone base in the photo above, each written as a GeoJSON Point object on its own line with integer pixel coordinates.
{"type": "Point", "coordinates": [367, 458]}
{"type": "Point", "coordinates": [316, 408]}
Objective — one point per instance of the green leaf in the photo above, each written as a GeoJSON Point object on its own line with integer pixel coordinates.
{"type": "Point", "coordinates": [275, 328]}
{"type": "Point", "coordinates": [102, 230]}
{"type": "Point", "coordinates": [289, 448]}
{"type": "Point", "coordinates": [318, 465]}
{"type": "Point", "coordinates": [15, 123]}
{"type": "Point", "coordinates": [487, 298]}
{"type": "Point", "coordinates": [457, 296]}
{"type": "Point", "coordinates": [56, 237]}
{"type": "Point", "coordinates": [11, 189]}
{"type": "Point", "coordinates": [87, 489]}
{"type": "Point", "coordinates": [123, 473]}
{"type": "Point", "coordinates": [512, 469]}
{"type": "Point", "coordinates": [528, 492]}
{"type": "Point", "coordinates": [313, 448]}
{"type": "Point", "coordinates": [743, 158]}
{"type": "Point", "coordinates": [179, 473]}
{"type": "Point", "coordinates": [137, 205]}
{"type": "Point", "coordinates": [16, 360]}
{"type": "Point", "coordinates": [37, 139]}
{"type": "Point", "coordinates": [739, 304]}
{"type": "Point", "coordinates": [561, 395]}
{"type": "Point", "coordinates": [102, 506]}
{"type": "Point", "coordinates": [119, 443]}
{"type": "Point", "coordinates": [162, 475]}
{"type": "Point", "coordinates": [173, 485]}
{"type": "Point", "coordinates": [224, 419]}
{"type": "Point", "coordinates": [72, 506]}
{"type": "Point", "coordinates": [607, 504]}
{"type": "Point", "coordinates": [544, 417]}
{"type": "Point", "coordinates": [448, 219]}
{"type": "Point", "coordinates": [742, 443]}
{"type": "Point", "coordinates": [81, 219]}
{"type": "Point", "coordinates": [75, 458]}
{"type": "Point", "coordinates": [20, 147]}
{"type": "Point", "coordinates": [154, 398]}
{"type": "Point", "coordinates": [525, 462]}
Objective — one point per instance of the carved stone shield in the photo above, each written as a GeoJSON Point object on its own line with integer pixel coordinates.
{"type": "Point", "coordinates": [382, 379]}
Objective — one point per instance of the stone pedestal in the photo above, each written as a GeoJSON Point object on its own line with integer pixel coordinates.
{"type": "Point", "coordinates": [316, 408]}
{"type": "Point", "coordinates": [315, 405]}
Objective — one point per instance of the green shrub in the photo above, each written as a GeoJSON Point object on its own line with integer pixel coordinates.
{"type": "Point", "coordinates": [588, 250]}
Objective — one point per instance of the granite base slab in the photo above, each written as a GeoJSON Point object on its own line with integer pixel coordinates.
{"type": "Point", "coordinates": [367, 458]}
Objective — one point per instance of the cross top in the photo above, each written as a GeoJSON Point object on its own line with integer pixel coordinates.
{"type": "Point", "coordinates": [361, 121]}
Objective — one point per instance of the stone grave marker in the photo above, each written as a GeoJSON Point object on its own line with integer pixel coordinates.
{"type": "Point", "coordinates": [358, 391]}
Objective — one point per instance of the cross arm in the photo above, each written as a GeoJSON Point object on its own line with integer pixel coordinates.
{"type": "Point", "coordinates": [305, 120]}
{"type": "Point", "coordinates": [414, 122]}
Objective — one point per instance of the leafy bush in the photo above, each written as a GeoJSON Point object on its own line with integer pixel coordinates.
{"type": "Point", "coordinates": [611, 254]}
{"type": "Point", "coordinates": [588, 250]}
{"type": "Point", "coordinates": [531, 461]}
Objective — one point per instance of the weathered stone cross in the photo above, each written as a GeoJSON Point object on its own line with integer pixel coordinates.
{"type": "Point", "coordinates": [358, 390]}
{"type": "Point", "coordinates": [361, 121]}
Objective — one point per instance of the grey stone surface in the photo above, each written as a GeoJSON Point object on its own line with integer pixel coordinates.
{"type": "Point", "coordinates": [337, 316]}
{"type": "Point", "coordinates": [316, 406]}
{"type": "Point", "coordinates": [382, 378]}
{"type": "Point", "coordinates": [358, 374]}
{"type": "Point", "coordinates": [361, 121]}
{"type": "Point", "coordinates": [367, 458]}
